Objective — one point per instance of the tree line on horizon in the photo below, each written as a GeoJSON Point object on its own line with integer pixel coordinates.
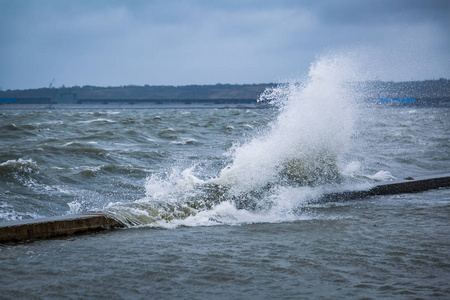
{"type": "Point", "coordinates": [426, 88]}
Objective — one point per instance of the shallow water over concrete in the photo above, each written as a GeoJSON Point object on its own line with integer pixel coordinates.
{"type": "Point", "coordinates": [383, 247]}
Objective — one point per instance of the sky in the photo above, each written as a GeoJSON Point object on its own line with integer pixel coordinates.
{"type": "Point", "coordinates": [176, 42]}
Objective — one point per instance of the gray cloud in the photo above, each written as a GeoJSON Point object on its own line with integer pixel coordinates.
{"type": "Point", "coordinates": [206, 42]}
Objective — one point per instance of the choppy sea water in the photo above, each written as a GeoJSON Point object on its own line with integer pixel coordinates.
{"type": "Point", "coordinates": [226, 203]}
{"type": "Point", "coordinates": [392, 247]}
{"type": "Point", "coordinates": [61, 162]}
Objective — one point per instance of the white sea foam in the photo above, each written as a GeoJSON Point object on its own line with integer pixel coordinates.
{"type": "Point", "coordinates": [381, 176]}
{"type": "Point", "coordinates": [100, 120]}
{"type": "Point", "coordinates": [271, 177]}
{"type": "Point", "coordinates": [19, 166]}
{"type": "Point", "coordinates": [8, 213]}
{"type": "Point", "coordinates": [310, 134]}
{"type": "Point", "coordinates": [74, 207]}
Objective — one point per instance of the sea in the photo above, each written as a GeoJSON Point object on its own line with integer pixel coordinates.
{"type": "Point", "coordinates": [227, 203]}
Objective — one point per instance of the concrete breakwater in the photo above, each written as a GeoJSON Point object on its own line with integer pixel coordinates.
{"type": "Point", "coordinates": [44, 228]}
{"type": "Point", "coordinates": [402, 186]}
{"type": "Point", "coordinates": [88, 222]}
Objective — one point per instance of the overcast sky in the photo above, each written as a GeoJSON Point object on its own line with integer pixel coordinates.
{"type": "Point", "coordinates": [111, 42]}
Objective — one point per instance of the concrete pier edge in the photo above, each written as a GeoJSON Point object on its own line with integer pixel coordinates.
{"type": "Point", "coordinates": [402, 186]}
{"type": "Point", "coordinates": [88, 222]}
{"type": "Point", "coordinates": [60, 226]}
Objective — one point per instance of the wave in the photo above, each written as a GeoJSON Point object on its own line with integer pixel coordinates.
{"type": "Point", "coordinates": [100, 120]}
{"type": "Point", "coordinates": [8, 213]}
{"type": "Point", "coordinates": [18, 167]}
{"type": "Point", "coordinates": [304, 144]}
{"type": "Point", "coordinates": [13, 131]}
{"type": "Point", "coordinates": [297, 159]}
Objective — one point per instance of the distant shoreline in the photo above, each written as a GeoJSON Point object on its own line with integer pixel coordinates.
{"type": "Point", "coordinates": [5, 107]}
{"type": "Point", "coordinates": [221, 94]}
{"type": "Point", "coordinates": [112, 106]}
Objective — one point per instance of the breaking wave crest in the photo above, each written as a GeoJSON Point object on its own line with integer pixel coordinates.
{"type": "Point", "coordinates": [18, 167]}
{"type": "Point", "coordinates": [294, 161]}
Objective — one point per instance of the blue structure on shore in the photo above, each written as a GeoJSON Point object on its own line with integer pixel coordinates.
{"type": "Point", "coordinates": [8, 100]}
{"type": "Point", "coordinates": [396, 100]}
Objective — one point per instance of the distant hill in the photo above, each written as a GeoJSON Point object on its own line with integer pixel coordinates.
{"type": "Point", "coordinates": [429, 89]}
{"type": "Point", "coordinates": [200, 92]}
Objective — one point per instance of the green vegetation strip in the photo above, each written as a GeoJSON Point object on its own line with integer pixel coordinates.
{"type": "Point", "coordinates": [36, 229]}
